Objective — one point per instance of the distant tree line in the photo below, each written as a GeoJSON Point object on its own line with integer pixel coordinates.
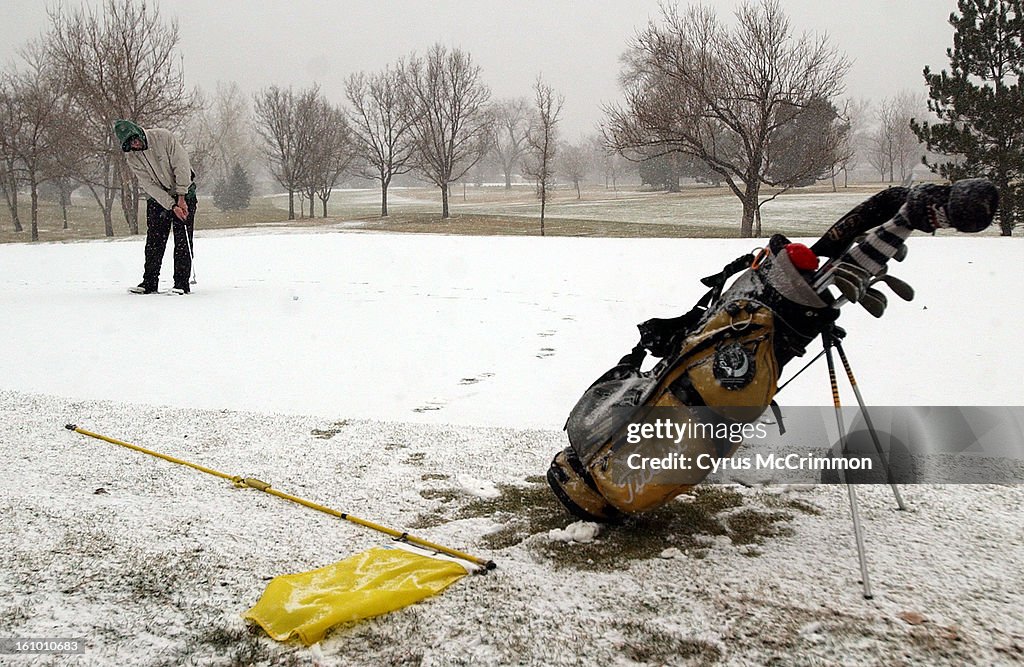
{"type": "Point", "coordinates": [748, 104]}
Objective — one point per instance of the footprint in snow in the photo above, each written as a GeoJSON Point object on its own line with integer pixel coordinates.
{"type": "Point", "coordinates": [474, 380]}
{"type": "Point", "coordinates": [428, 407]}
{"type": "Point", "coordinates": [545, 352]}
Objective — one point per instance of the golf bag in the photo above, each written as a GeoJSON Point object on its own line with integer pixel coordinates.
{"type": "Point", "coordinates": [720, 362]}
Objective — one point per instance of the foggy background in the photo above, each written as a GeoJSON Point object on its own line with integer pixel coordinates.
{"type": "Point", "coordinates": [575, 45]}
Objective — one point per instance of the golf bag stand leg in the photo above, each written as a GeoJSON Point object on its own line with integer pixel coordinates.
{"type": "Point", "coordinates": [867, 419]}
{"type": "Point", "coordinates": [858, 532]}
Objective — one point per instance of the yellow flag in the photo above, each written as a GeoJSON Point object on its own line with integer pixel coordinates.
{"type": "Point", "coordinates": [308, 604]}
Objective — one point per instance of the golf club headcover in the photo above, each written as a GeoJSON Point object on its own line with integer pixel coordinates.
{"type": "Point", "coordinates": [973, 204]}
{"type": "Point", "coordinates": [968, 205]}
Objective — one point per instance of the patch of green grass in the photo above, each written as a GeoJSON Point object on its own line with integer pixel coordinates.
{"type": "Point", "coordinates": [695, 211]}
{"type": "Point", "coordinates": [477, 224]}
{"type": "Point", "coordinates": [525, 511]}
{"type": "Point", "coordinates": [85, 220]}
{"type": "Point", "coordinates": [528, 511]}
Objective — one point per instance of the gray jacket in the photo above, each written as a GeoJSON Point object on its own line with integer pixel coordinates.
{"type": "Point", "coordinates": [163, 169]}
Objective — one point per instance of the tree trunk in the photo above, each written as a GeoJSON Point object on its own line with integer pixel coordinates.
{"type": "Point", "coordinates": [108, 211]}
{"type": "Point", "coordinates": [578, 194]}
{"type": "Point", "coordinates": [323, 200]}
{"type": "Point", "coordinates": [508, 179]}
{"type": "Point", "coordinates": [444, 200]}
{"type": "Point", "coordinates": [130, 205]}
{"type": "Point", "coordinates": [1006, 207]}
{"type": "Point", "coordinates": [543, 204]}
{"type": "Point", "coordinates": [291, 204]}
{"type": "Point", "coordinates": [10, 187]}
{"type": "Point", "coordinates": [749, 210]}
{"type": "Point", "coordinates": [34, 194]}
{"type": "Point", "coordinates": [383, 199]}
{"type": "Point", "coordinates": [65, 198]}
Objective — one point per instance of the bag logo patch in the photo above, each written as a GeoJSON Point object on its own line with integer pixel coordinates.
{"type": "Point", "coordinates": [733, 366]}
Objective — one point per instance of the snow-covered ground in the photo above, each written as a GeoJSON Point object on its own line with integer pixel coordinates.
{"type": "Point", "coordinates": [395, 377]}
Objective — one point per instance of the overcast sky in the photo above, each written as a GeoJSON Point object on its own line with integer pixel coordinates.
{"type": "Point", "coordinates": [574, 43]}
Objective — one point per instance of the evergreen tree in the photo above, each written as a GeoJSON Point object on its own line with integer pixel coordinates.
{"type": "Point", "coordinates": [979, 102]}
{"type": "Point", "coordinates": [661, 172]}
{"type": "Point", "coordinates": [808, 139]}
{"type": "Point", "coordinates": [234, 192]}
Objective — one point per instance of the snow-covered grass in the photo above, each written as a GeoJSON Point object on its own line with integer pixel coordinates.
{"type": "Point", "coordinates": [422, 381]}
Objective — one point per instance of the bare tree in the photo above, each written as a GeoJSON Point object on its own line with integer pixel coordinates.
{"type": "Point", "coordinates": [509, 134]}
{"type": "Point", "coordinates": [877, 147]}
{"type": "Point", "coordinates": [450, 122]}
{"type": "Point", "coordinates": [120, 61]}
{"type": "Point", "coordinates": [854, 145]}
{"type": "Point", "coordinates": [722, 94]}
{"type": "Point", "coordinates": [894, 146]}
{"type": "Point", "coordinates": [11, 123]}
{"type": "Point", "coordinates": [326, 147]}
{"type": "Point", "coordinates": [381, 126]}
{"type": "Point", "coordinates": [224, 134]}
{"type": "Point", "coordinates": [278, 124]}
{"type": "Point", "coordinates": [907, 148]}
{"type": "Point", "coordinates": [609, 161]}
{"type": "Point", "coordinates": [542, 141]}
{"type": "Point", "coordinates": [39, 100]}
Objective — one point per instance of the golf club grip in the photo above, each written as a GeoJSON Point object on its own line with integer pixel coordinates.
{"type": "Point", "coordinates": [863, 217]}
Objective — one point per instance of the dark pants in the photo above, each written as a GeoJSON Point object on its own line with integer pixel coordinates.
{"type": "Point", "coordinates": [159, 222]}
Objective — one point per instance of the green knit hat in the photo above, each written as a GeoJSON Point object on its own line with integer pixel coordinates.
{"type": "Point", "coordinates": [125, 130]}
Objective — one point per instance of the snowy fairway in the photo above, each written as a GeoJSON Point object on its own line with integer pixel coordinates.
{"type": "Point", "coordinates": [402, 378]}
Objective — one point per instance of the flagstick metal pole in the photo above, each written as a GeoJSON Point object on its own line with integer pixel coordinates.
{"type": "Point", "coordinates": [260, 485]}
